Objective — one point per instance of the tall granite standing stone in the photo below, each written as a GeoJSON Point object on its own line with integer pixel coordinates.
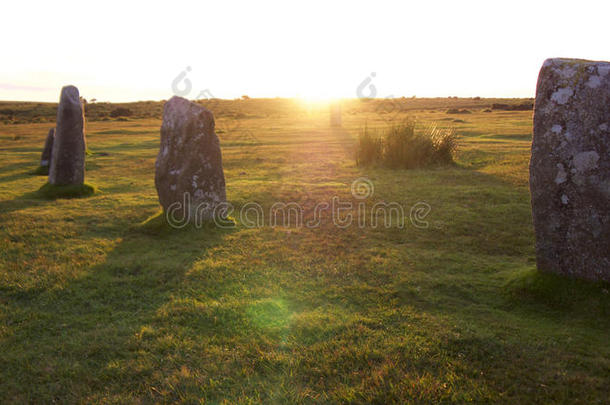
{"type": "Point", "coordinates": [45, 159]}
{"type": "Point", "coordinates": [570, 168]}
{"type": "Point", "coordinates": [68, 156]}
{"type": "Point", "coordinates": [189, 177]}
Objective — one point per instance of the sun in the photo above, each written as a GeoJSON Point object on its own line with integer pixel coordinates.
{"type": "Point", "coordinates": [316, 101]}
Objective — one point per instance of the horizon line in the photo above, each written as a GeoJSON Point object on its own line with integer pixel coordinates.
{"type": "Point", "coordinates": [320, 100]}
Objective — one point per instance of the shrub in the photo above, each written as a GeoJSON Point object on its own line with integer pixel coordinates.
{"type": "Point", "coordinates": [458, 111]}
{"type": "Point", "coordinates": [527, 106]}
{"type": "Point", "coordinates": [121, 112]}
{"type": "Point", "coordinates": [370, 148]}
{"type": "Point", "coordinates": [404, 146]}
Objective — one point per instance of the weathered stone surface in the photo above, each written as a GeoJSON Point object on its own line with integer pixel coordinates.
{"type": "Point", "coordinates": [68, 156]}
{"type": "Point", "coordinates": [189, 177]}
{"type": "Point", "coordinates": [570, 168]}
{"type": "Point", "coordinates": [45, 159]}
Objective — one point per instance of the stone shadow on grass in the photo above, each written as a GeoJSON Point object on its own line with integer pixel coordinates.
{"type": "Point", "coordinates": [46, 195]}
{"type": "Point", "coordinates": [25, 169]}
{"type": "Point", "coordinates": [26, 200]}
{"type": "Point", "coordinates": [93, 321]}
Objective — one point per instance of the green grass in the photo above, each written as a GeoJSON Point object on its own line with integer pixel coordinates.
{"type": "Point", "coordinates": [101, 303]}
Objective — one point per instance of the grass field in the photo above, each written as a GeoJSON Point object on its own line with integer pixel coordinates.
{"type": "Point", "coordinates": [95, 307]}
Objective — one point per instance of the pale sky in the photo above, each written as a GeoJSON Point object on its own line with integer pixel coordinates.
{"type": "Point", "coordinates": [130, 50]}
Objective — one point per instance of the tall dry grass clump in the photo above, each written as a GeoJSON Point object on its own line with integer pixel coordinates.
{"type": "Point", "coordinates": [405, 146]}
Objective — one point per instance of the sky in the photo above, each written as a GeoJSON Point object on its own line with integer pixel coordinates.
{"type": "Point", "coordinates": [149, 50]}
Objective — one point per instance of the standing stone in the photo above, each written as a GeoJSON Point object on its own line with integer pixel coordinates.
{"type": "Point", "coordinates": [570, 168]}
{"type": "Point", "coordinates": [45, 160]}
{"type": "Point", "coordinates": [335, 114]}
{"type": "Point", "coordinates": [189, 178]}
{"type": "Point", "coordinates": [68, 156]}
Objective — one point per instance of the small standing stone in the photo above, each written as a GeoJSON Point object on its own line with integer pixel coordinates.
{"type": "Point", "coordinates": [570, 168]}
{"type": "Point", "coordinates": [189, 177]}
{"type": "Point", "coordinates": [45, 160]}
{"type": "Point", "coordinates": [335, 114]}
{"type": "Point", "coordinates": [68, 156]}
